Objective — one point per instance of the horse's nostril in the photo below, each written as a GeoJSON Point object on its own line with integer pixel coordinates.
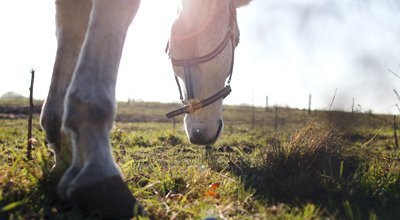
{"type": "Point", "coordinates": [198, 138]}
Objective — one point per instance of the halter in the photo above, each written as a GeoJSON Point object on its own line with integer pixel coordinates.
{"type": "Point", "coordinates": [190, 106]}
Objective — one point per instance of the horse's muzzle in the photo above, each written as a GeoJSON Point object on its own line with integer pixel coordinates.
{"type": "Point", "coordinates": [201, 136]}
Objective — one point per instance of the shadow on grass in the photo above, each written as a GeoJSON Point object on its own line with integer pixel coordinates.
{"type": "Point", "coordinates": [26, 190]}
{"type": "Point", "coordinates": [317, 166]}
{"type": "Point", "coordinates": [39, 202]}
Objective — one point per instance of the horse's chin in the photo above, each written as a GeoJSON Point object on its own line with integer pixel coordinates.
{"type": "Point", "coordinates": [203, 132]}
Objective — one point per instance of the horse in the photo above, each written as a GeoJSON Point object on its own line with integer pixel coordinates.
{"type": "Point", "coordinates": [78, 113]}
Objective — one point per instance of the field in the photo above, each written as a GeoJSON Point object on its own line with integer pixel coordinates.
{"type": "Point", "coordinates": [278, 163]}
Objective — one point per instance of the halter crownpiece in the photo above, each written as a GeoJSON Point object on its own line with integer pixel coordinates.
{"type": "Point", "coordinates": [191, 105]}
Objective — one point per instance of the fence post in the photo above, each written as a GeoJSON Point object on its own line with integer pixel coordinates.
{"type": "Point", "coordinates": [252, 116]}
{"type": "Point", "coordinates": [309, 104]}
{"type": "Point", "coordinates": [29, 145]}
{"type": "Point", "coordinates": [276, 118]}
{"type": "Point", "coordinates": [396, 143]}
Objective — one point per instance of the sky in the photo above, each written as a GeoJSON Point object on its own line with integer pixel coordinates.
{"type": "Point", "coordinates": [289, 49]}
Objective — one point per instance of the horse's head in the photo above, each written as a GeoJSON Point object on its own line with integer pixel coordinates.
{"type": "Point", "coordinates": [201, 47]}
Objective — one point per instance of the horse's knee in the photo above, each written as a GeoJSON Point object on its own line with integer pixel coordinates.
{"type": "Point", "coordinates": [88, 111]}
{"type": "Point", "coordinates": [50, 120]}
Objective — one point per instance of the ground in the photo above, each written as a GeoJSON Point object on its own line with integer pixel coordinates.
{"type": "Point", "coordinates": [278, 163]}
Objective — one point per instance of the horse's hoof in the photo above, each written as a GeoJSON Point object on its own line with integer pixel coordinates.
{"type": "Point", "coordinates": [56, 172]}
{"type": "Point", "coordinates": [53, 179]}
{"type": "Point", "coordinates": [109, 198]}
{"type": "Point", "coordinates": [65, 181]}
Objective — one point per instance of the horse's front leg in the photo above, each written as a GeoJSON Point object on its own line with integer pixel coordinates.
{"type": "Point", "coordinates": [71, 24]}
{"type": "Point", "coordinates": [90, 109]}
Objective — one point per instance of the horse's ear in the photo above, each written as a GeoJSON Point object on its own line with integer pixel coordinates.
{"type": "Point", "coordinates": [240, 3]}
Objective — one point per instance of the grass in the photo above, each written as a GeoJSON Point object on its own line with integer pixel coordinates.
{"type": "Point", "coordinates": [325, 165]}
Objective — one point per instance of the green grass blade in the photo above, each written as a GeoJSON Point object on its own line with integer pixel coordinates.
{"type": "Point", "coordinates": [12, 206]}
